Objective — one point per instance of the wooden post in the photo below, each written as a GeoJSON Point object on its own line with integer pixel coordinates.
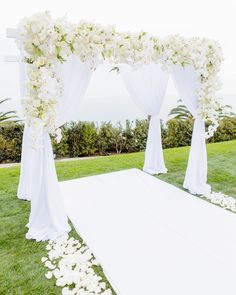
{"type": "Point", "coordinates": [11, 33]}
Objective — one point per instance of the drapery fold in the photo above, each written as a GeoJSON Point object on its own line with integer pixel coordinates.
{"type": "Point", "coordinates": [38, 178]}
{"type": "Point", "coordinates": [48, 219]}
{"type": "Point", "coordinates": [147, 85]}
{"type": "Point", "coordinates": [196, 174]}
{"type": "Point", "coordinates": [24, 186]}
{"type": "Point", "coordinates": [25, 181]}
{"type": "Point", "coordinates": [75, 76]}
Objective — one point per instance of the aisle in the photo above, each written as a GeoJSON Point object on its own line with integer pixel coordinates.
{"type": "Point", "coordinates": [151, 237]}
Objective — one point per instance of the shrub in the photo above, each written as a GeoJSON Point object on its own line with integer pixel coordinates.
{"type": "Point", "coordinates": [226, 130]}
{"type": "Point", "coordinates": [140, 134]}
{"type": "Point", "coordinates": [178, 133]}
{"type": "Point", "coordinates": [11, 134]}
{"type": "Point", "coordinates": [85, 139]}
{"type": "Point", "coordinates": [118, 139]}
{"type": "Point", "coordinates": [62, 149]}
{"type": "Point", "coordinates": [128, 134]}
{"type": "Point", "coordinates": [105, 142]}
{"type": "Point", "coordinates": [3, 149]}
{"type": "Point", "coordinates": [82, 138]}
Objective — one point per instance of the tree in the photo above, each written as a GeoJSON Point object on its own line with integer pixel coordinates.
{"type": "Point", "coordinates": [226, 112]}
{"type": "Point", "coordinates": [119, 139]}
{"type": "Point", "coordinates": [181, 112]}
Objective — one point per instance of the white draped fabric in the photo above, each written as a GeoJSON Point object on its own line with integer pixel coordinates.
{"type": "Point", "coordinates": [48, 219]}
{"type": "Point", "coordinates": [25, 182]}
{"type": "Point", "coordinates": [175, 243]}
{"type": "Point", "coordinates": [196, 174]}
{"type": "Point", "coordinates": [75, 76]}
{"type": "Point", "coordinates": [25, 175]}
{"type": "Point", "coordinates": [147, 86]}
{"type": "Point", "coordinates": [38, 180]}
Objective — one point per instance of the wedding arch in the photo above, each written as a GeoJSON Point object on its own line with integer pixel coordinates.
{"type": "Point", "coordinates": [58, 60]}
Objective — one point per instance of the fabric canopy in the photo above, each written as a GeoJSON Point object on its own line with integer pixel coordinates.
{"type": "Point", "coordinates": [147, 86]}
{"type": "Point", "coordinates": [38, 180]}
{"type": "Point", "coordinates": [196, 175]}
{"type": "Point", "coordinates": [75, 76]}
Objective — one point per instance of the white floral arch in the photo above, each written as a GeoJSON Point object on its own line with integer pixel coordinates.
{"type": "Point", "coordinates": [60, 57]}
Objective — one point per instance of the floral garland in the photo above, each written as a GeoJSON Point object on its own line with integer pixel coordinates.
{"type": "Point", "coordinates": [222, 200]}
{"type": "Point", "coordinates": [45, 42]}
{"type": "Point", "coordinates": [71, 263]}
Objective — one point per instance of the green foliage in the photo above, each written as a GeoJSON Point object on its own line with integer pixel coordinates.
{"type": "Point", "coordinates": [129, 138]}
{"type": "Point", "coordinates": [226, 130]}
{"type": "Point", "coordinates": [10, 141]}
{"type": "Point", "coordinates": [180, 112]}
{"type": "Point", "coordinates": [118, 138]}
{"type": "Point", "coordinates": [140, 134]}
{"type": "Point", "coordinates": [105, 142]}
{"type": "Point", "coordinates": [7, 116]}
{"type": "Point", "coordinates": [62, 150]}
{"type": "Point", "coordinates": [86, 139]}
{"type": "Point", "coordinates": [226, 111]}
{"type": "Point", "coordinates": [82, 138]}
{"type": "Point", "coordinates": [178, 133]}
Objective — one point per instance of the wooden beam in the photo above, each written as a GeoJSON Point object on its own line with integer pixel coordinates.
{"type": "Point", "coordinates": [12, 58]}
{"type": "Point", "coordinates": [11, 33]}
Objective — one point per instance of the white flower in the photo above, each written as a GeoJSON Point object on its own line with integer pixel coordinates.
{"type": "Point", "coordinates": [61, 282]}
{"type": "Point", "coordinates": [49, 265]}
{"type": "Point", "coordinates": [48, 275]}
{"type": "Point", "coordinates": [222, 200]}
{"type": "Point", "coordinates": [43, 259]}
{"type": "Point", "coordinates": [46, 42]}
{"type": "Point", "coordinates": [71, 263]}
{"type": "Point", "coordinates": [56, 272]}
{"type": "Point", "coordinates": [67, 291]}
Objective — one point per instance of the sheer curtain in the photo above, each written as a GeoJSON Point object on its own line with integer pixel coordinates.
{"type": "Point", "coordinates": [24, 186]}
{"type": "Point", "coordinates": [47, 217]}
{"type": "Point", "coordinates": [147, 86]}
{"type": "Point", "coordinates": [196, 174]}
{"type": "Point", "coordinates": [75, 76]}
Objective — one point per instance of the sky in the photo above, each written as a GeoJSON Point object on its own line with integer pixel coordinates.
{"type": "Point", "coordinates": [107, 98]}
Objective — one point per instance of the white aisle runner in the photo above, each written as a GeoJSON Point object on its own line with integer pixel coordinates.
{"type": "Point", "coordinates": [152, 238]}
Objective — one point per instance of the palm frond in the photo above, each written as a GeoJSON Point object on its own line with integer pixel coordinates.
{"type": "Point", "coordinates": [8, 116]}
{"type": "Point", "coordinates": [3, 100]}
{"type": "Point", "coordinates": [180, 112]}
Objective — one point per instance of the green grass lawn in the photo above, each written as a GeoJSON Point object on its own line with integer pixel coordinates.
{"type": "Point", "coordinates": [21, 270]}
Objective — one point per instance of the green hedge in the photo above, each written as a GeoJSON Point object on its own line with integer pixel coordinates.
{"type": "Point", "coordinates": [86, 139]}
{"type": "Point", "coordinates": [177, 133]}
{"type": "Point", "coordinates": [10, 142]}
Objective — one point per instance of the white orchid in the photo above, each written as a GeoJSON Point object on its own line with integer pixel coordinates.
{"type": "Point", "coordinates": [45, 42]}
